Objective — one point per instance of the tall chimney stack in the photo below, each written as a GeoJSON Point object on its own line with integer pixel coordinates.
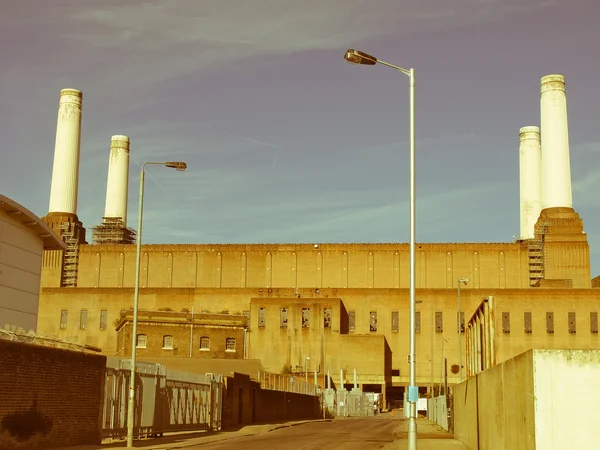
{"type": "Point", "coordinates": [530, 170]}
{"type": "Point", "coordinates": [65, 173]}
{"type": "Point", "coordinates": [556, 166]}
{"type": "Point", "coordinates": [118, 179]}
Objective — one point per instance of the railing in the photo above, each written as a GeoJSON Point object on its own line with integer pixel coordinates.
{"type": "Point", "coordinates": [286, 383]}
{"type": "Point", "coordinates": [165, 400]}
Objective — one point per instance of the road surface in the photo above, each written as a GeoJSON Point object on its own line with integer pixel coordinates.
{"type": "Point", "coordinates": [349, 434]}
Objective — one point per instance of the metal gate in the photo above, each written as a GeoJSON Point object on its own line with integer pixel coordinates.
{"type": "Point", "coordinates": [164, 400]}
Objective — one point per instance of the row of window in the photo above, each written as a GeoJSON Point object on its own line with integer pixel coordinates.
{"type": "Point", "coordinates": [168, 342]}
{"type": "Point", "coordinates": [83, 319]}
{"type": "Point", "coordinates": [571, 322]}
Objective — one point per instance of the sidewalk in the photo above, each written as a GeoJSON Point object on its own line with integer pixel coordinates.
{"type": "Point", "coordinates": [430, 436]}
{"type": "Point", "coordinates": [171, 441]}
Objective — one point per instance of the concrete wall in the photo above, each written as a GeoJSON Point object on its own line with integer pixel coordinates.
{"type": "Point", "coordinates": [50, 397]}
{"type": "Point", "coordinates": [20, 269]}
{"type": "Point", "coordinates": [541, 399]}
{"type": "Point", "coordinates": [245, 403]}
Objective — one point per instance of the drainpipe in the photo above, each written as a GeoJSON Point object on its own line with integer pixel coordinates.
{"type": "Point", "coordinates": [192, 333]}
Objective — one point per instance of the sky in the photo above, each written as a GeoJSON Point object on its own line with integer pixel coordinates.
{"type": "Point", "coordinates": [284, 140]}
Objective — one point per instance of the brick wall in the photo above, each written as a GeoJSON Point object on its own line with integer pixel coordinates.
{"type": "Point", "coordinates": [49, 397]}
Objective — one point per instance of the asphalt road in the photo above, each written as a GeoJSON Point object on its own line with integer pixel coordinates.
{"type": "Point", "coordinates": [350, 433]}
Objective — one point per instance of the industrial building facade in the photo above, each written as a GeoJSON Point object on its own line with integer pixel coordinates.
{"type": "Point", "coordinates": [334, 307]}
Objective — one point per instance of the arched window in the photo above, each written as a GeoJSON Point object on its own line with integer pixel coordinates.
{"type": "Point", "coordinates": [168, 342]}
{"type": "Point", "coordinates": [141, 340]}
{"type": "Point", "coordinates": [205, 343]}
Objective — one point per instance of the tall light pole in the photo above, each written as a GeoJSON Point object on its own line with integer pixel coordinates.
{"type": "Point", "coordinates": [306, 369]}
{"type": "Point", "coordinates": [180, 166]}
{"type": "Point", "coordinates": [357, 57]}
{"type": "Point", "coordinates": [459, 329]}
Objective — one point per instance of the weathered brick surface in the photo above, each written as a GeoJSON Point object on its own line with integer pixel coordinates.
{"type": "Point", "coordinates": [49, 397]}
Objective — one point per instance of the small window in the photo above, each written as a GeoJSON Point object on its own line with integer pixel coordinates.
{"type": "Point", "coordinates": [327, 318]}
{"type": "Point", "coordinates": [550, 322]}
{"type": "Point", "coordinates": [262, 317]}
{"type": "Point", "coordinates": [395, 319]}
{"type": "Point", "coordinates": [506, 322]}
{"type": "Point", "coordinates": [230, 345]}
{"type": "Point", "coordinates": [141, 341]}
{"type": "Point", "coordinates": [461, 321]}
{"type": "Point", "coordinates": [594, 322]}
{"type": "Point", "coordinates": [305, 317]}
{"type": "Point", "coordinates": [572, 323]}
{"type": "Point", "coordinates": [527, 322]}
{"type": "Point", "coordinates": [395, 372]}
{"type": "Point", "coordinates": [83, 319]}
{"type": "Point", "coordinates": [417, 321]}
{"type": "Point", "coordinates": [439, 322]}
{"type": "Point", "coordinates": [103, 319]}
{"type": "Point", "coordinates": [351, 321]}
{"type": "Point", "coordinates": [373, 321]}
{"type": "Point", "coordinates": [283, 318]}
{"type": "Point", "coordinates": [204, 343]}
{"type": "Point", "coordinates": [64, 315]}
{"type": "Point", "coordinates": [168, 342]}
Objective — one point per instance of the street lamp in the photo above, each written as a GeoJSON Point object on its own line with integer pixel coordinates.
{"type": "Point", "coordinates": [459, 328]}
{"type": "Point", "coordinates": [179, 166]}
{"type": "Point", "coordinates": [357, 57]}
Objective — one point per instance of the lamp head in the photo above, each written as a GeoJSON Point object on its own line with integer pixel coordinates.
{"type": "Point", "coordinates": [180, 166]}
{"type": "Point", "coordinates": [358, 57]}
{"type": "Point", "coordinates": [464, 280]}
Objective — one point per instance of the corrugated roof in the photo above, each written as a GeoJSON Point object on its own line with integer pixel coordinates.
{"type": "Point", "coordinates": [50, 239]}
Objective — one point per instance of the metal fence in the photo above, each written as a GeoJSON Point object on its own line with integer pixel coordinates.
{"type": "Point", "coordinates": [164, 400]}
{"type": "Point", "coordinates": [353, 404]}
{"type": "Point", "coordinates": [437, 411]}
{"type": "Point", "coordinates": [286, 383]}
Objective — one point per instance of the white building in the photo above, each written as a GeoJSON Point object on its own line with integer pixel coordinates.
{"type": "Point", "coordinates": [23, 239]}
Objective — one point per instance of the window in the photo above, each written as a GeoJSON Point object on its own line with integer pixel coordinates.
{"type": "Point", "coordinates": [168, 342]}
{"type": "Point", "coordinates": [395, 372]}
{"type": "Point", "coordinates": [230, 345]}
{"type": "Point", "coordinates": [527, 322]}
{"type": "Point", "coordinates": [417, 321]}
{"type": "Point", "coordinates": [351, 321]}
{"type": "Point", "coordinates": [594, 322]}
{"type": "Point", "coordinates": [395, 321]}
{"type": "Point", "coordinates": [64, 314]}
{"type": "Point", "coordinates": [283, 318]}
{"type": "Point", "coordinates": [103, 319]}
{"type": "Point", "coordinates": [461, 321]}
{"type": "Point", "coordinates": [549, 322]}
{"type": "Point", "coordinates": [572, 323]}
{"type": "Point", "coordinates": [506, 322]}
{"type": "Point", "coordinates": [204, 343]}
{"type": "Point", "coordinates": [327, 318]}
{"type": "Point", "coordinates": [141, 341]}
{"type": "Point", "coordinates": [83, 319]}
{"type": "Point", "coordinates": [373, 321]}
{"type": "Point", "coordinates": [262, 317]}
{"type": "Point", "coordinates": [439, 322]}
{"type": "Point", "coordinates": [305, 317]}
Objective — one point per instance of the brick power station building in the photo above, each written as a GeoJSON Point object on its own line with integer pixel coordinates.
{"type": "Point", "coordinates": [326, 307]}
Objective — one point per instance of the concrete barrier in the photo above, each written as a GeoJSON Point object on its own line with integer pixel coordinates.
{"type": "Point", "coordinates": [541, 399]}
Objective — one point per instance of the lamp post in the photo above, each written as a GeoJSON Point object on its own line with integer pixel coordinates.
{"type": "Point", "coordinates": [306, 369]}
{"type": "Point", "coordinates": [357, 57]}
{"type": "Point", "coordinates": [459, 329]}
{"type": "Point", "coordinates": [179, 166]}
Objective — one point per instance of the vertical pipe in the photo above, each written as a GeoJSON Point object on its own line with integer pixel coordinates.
{"type": "Point", "coordinates": [459, 340]}
{"type": "Point", "coordinates": [117, 185]}
{"type": "Point", "coordinates": [355, 380]}
{"type": "Point", "coordinates": [530, 174]}
{"type": "Point", "coordinates": [556, 166]}
{"type": "Point", "coordinates": [65, 171]}
{"type": "Point", "coordinates": [192, 333]}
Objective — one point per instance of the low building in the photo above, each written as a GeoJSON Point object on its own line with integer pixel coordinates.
{"type": "Point", "coordinates": [183, 334]}
{"type": "Point", "coordinates": [23, 239]}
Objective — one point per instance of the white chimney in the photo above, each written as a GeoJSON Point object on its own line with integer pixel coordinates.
{"type": "Point", "coordinates": [65, 173]}
{"type": "Point", "coordinates": [118, 178]}
{"type": "Point", "coordinates": [530, 170]}
{"type": "Point", "coordinates": [556, 166]}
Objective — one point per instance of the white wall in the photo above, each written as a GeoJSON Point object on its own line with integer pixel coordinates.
{"type": "Point", "coordinates": [20, 270]}
{"type": "Point", "coordinates": [567, 399]}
